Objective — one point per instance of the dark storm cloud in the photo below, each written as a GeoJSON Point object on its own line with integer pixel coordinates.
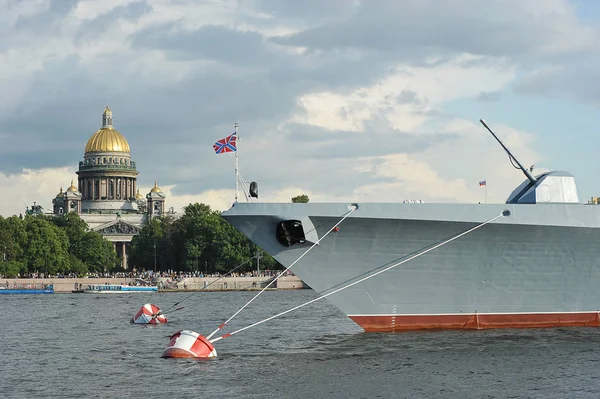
{"type": "Point", "coordinates": [332, 72]}
{"type": "Point", "coordinates": [132, 12]}
{"type": "Point", "coordinates": [20, 30]}
{"type": "Point", "coordinates": [430, 27]}
{"type": "Point", "coordinates": [250, 49]}
{"type": "Point", "coordinates": [376, 139]}
{"type": "Point", "coordinates": [574, 80]}
{"type": "Point", "coordinates": [49, 21]}
{"type": "Point", "coordinates": [211, 42]}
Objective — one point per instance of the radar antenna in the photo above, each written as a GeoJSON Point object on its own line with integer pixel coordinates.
{"type": "Point", "coordinates": [510, 155]}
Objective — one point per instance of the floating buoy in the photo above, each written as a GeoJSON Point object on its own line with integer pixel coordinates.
{"type": "Point", "coordinates": [149, 314]}
{"type": "Point", "coordinates": [189, 344]}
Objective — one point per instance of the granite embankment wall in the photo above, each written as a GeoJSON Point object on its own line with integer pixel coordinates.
{"type": "Point", "coordinates": [64, 285]}
{"type": "Point", "coordinates": [233, 283]}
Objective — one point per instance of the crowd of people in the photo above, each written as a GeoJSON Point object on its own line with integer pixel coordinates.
{"type": "Point", "coordinates": [149, 275]}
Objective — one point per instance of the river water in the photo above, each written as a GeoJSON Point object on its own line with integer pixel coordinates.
{"type": "Point", "coordinates": [83, 345]}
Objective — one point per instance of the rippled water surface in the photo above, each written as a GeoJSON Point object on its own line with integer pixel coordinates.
{"type": "Point", "coordinates": [80, 345]}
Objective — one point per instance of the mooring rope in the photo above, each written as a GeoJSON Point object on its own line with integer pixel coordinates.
{"type": "Point", "coordinates": [162, 312]}
{"type": "Point", "coordinates": [419, 253]}
{"type": "Point", "coordinates": [353, 207]}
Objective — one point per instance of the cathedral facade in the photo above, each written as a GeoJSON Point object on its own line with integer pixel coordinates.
{"type": "Point", "coordinates": [106, 196]}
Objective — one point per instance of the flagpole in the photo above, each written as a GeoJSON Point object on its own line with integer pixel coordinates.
{"type": "Point", "coordinates": [486, 192]}
{"type": "Point", "coordinates": [237, 142]}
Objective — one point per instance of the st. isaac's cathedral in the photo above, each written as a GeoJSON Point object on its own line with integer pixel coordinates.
{"type": "Point", "coordinates": [106, 196]}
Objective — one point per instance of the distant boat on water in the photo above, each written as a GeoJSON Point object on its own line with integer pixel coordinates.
{"type": "Point", "coordinates": [117, 289]}
{"type": "Point", "coordinates": [39, 289]}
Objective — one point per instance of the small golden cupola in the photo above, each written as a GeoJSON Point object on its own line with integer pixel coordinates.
{"type": "Point", "coordinates": [139, 196]}
{"type": "Point", "coordinates": [156, 201]}
{"type": "Point", "coordinates": [72, 188]}
{"type": "Point", "coordinates": [156, 189]}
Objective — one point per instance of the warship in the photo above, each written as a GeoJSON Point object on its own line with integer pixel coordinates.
{"type": "Point", "coordinates": [533, 261]}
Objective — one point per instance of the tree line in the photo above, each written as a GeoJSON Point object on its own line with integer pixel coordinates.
{"type": "Point", "coordinates": [199, 241]}
{"type": "Point", "coordinates": [52, 245]}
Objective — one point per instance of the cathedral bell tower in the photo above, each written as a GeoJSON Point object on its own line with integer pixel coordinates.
{"type": "Point", "coordinates": [156, 201]}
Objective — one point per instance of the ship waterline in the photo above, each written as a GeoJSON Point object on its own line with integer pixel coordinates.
{"type": "Point", "coordinates": [475, 321]}
{"type": "Point", "coordinates": [538, 267]}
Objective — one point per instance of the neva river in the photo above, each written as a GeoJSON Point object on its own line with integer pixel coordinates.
{"type": "Point", "coordinates": [83, 346]}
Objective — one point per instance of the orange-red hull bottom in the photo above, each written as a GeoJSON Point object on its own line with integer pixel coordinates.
{"type": "Point", "coordinates": [474, 321]}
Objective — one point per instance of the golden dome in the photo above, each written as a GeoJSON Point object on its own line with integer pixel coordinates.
{"type": "Point", "coordinates": [71, 189]}
{"type": "Point", "coordinates": [107, 139]}
{"type": "Point", "coordinates": [155, 189]}
{"type": "Point", "coordinates": [138, 195]}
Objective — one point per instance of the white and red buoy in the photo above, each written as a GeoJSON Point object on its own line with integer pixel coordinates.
{"type": "Point", "coordinates": [189, 344]}
{"type": "Point", "coordinates": [149, 314]}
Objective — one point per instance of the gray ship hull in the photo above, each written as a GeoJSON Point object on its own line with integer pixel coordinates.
{"type": "Point", "coordinates": [538, 267]}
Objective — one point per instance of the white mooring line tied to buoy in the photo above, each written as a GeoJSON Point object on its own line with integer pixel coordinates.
{"type": "Point", "coordinates": [204, 345]}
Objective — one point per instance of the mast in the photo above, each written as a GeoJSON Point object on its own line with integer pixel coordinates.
{"type": "Point", "coordinates": [237, 146]}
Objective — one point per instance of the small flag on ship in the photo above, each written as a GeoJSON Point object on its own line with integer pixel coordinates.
{"type": "Point", "coordinates": [482, 183]}
{"type": "Point", "coordinates": [228, 144]}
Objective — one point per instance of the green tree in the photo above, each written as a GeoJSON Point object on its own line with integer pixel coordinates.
{"type": "Point", "coordinates": [89, 250]}
{"type": "Point", "coordinates": [199, 237]}
{"type": "Point", "coordinates": [143, 245]}
{"type": "Point", "coordinates": [13, 268]}
{"type": "Point", "coordinates": [13, 241]}
{"type": "Point", "coordinates": [302, 198]}
{"type": "Point", "coordinates": [77, 266]}
{"type": "Point", "coordinates": [173, 244]}
{"type": "Point", "coordinates": [97, 253]}
{"type": "Point", "coordinates": [220, 245]}
{"type": "Point", "coordinates": [64, 244]}
{"type": "Point", "coordinates": [13, 237]}
{"type": "Point", "coordinates": [75, 228]}
{"type": "Point", "coordinates": [47, 246]}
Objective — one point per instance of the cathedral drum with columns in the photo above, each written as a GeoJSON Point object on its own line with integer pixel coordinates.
{"type": "Point", "coordinates": [107, 197]}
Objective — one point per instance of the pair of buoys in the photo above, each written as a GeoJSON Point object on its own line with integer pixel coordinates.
{"type": "Point", "coordinates": [184, 343]}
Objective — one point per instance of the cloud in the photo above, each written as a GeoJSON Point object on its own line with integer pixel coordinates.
{"type": "Point", "coordinates": [211, 42]}
{"type": "Point", "coordinates": [21, 190]}
{"type": "Point", "coordinates": [430, 28]}
{"type": "Point", "coordinates": [101, 23]}
{"type": "Point", "coordinates": [489, 96]}
{"type": "Point", "coordinates": [338, 99]}
{"type": "Point", "coordinates": [459, 78]}
{"type": "Point", "coordinates": [216, 199]}
{"type": "Point", "coordinates": [570, 80]}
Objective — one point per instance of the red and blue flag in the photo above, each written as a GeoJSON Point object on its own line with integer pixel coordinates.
{"type": "Point", "coordinates": [228, 144]}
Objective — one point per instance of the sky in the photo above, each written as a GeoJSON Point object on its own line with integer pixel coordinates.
{"type": "Point", "coordinates": [342, 100]}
